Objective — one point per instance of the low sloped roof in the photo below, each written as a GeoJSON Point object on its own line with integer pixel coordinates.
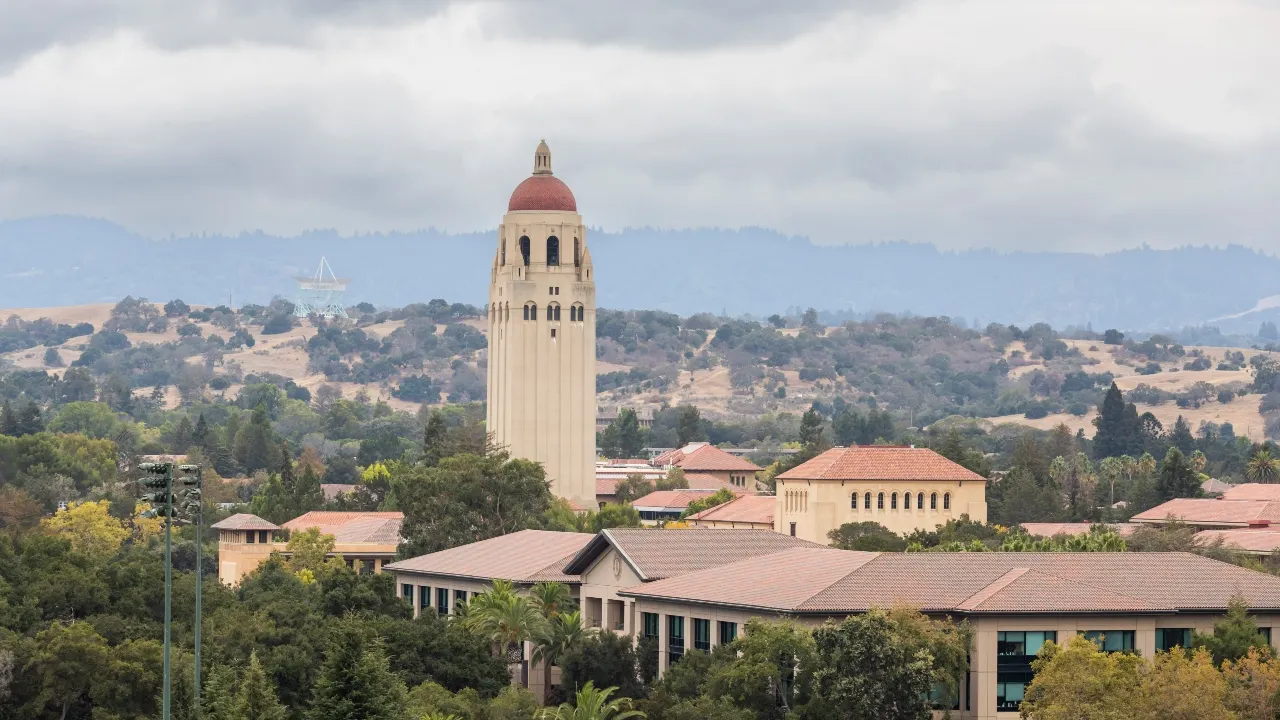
{"type": "Point", "coordinates": [880, 462]}
{"type": "Point", "coordinates": [382, 528]}
{"type": "Point", "coordinates": [1210, 511]}
{"type": "Point", "coordinates": [1247, 491]}
{"type": "Point", "coordinates": [1066, 528]}
{"type": "Point", "coordinates": [747, 508]}
{"type": "Point", "coordinates": [244, 521]}
{"type": "Point", "coordinates": [704, 457]}
{"type": "Point", "coordinates": [675, 499]}
{"type": "Point", "coordinates": [1251, 541]}
{"type": "Point", "coordinates": [527, 556]}
{"type": "Point", "coordinates": [829, 581]}
{"type": "Point", "coordinates": [654, 554]}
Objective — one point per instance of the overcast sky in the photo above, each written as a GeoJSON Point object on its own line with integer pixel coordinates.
{"type": "Point", "coordinates": [1014, 124]}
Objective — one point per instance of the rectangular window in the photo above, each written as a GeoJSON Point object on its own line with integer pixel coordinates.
{"type": "Point", "coordinates": [702, 634]}
{"type": "Point", "coordinates": [459, 597]}
{"type": "Point", "coordinates": [442, 601]}
{"type": "Point", "coordinates": [793, 529]}
{"type": "Point", "coordinates": [553, 333]}
{"type": "Point", "coordinates": [675, 639]}
{"type": "Point", "coordinates": [1014, 652]}
{"type": "Point", "coordinates": [262, 536]}
{"type": "Point", "coordinates": [1170, 638]}
{"type": "Point", "coordinates": [728, 632]}
{"type": "Point", "coordinates": [424, 596]}
{"type": "Point", "coordinates": [406, 591]}
{"type": "Point", "coordinates": [649, 623]}
{"type": "Point", "coordinates": [942, 697]}
{"type": "Point", "coordinates": [250, 537]}
{"type": "Point", "coordinates": [1111, 640]}
{"type": "Point", "coordinates": [1266, 633]}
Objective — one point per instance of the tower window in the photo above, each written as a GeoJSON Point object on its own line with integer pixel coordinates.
{"type": "Point", "coordinates": [553, 333]}
{"type": "Point", "coordinates": [553, 312]}
{"type": "Point", "coordinates": [503, 260]}
{"type": "Point", "coordinates": [577, 252]}
{"type": "Point", "coordinates": [524, 248]}
{"type": "Point", "coordinates": [553, 250]}
{"type": "Point", "coordinates": [530, 312]}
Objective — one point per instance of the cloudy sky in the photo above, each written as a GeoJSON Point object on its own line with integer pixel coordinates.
{"type": "Point", "coordinates": [1036, 124]}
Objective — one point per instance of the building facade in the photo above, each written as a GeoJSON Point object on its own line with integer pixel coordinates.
{"type": "Point", "coordinates": [365, 540]}
{"type": "Point", "coordinates": [902, 488]}
{"type": "Point", "coordinates": [542, 335]}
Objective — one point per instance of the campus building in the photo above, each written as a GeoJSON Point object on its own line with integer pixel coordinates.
{"type": "Point", "coordinates": [365, 540]}
{"type": "Point", "coordinates": [902, 488]}
{"type": "Point", "coordinates": [704, 461]}
{"type": "Point", "coordinates": [694, 589]}
{"type": "Point", "coordinates": [542, 335]}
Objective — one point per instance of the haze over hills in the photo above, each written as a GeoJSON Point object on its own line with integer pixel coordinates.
{"type": "Point", "coordinates": [69, 260]}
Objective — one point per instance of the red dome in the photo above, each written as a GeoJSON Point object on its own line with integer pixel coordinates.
{"type": "Point", "coordinates": [542, 192]}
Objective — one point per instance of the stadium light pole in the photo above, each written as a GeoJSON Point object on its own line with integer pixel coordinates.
{"type": "Point", "coordinates": [160, 478]}
{"type": "Point", "coordinates": [193, 500]}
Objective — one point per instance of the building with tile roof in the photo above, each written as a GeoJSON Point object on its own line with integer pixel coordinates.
{"type": "Point", "coordinates": [902, 488]}
{"type": "Point", "coordinates": [747, 511]}
{"type": "Point", "coordinates": [707, 459]}
{"type": "Point", "coordinates": [662, 506]}
{"type": "Point", "coordinates": [1244, 491]}
{"type": "Point", "coordinates": [365, 540]}
{"type": "Point", "coordinates": [1216, 513]}
{"type": "Point", "coordinates": [1262, 541]}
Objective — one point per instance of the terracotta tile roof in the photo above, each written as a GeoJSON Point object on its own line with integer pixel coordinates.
{"type": "Point", "coordinates": [606, 487]}
{"type": "Point", "coordinates": [527, 556]}
{"type": "Point", "coordinates": [675, 499]}
{"type": "Point", "coordinates": [967, 583]}
{"type": "Point", "coordinates": [1211, 511]}
{"type": "Point", "coordinates": [656, 554]}
{"type": "Point", "coordinates": [352, 527]}
{"type": "Point", "coordinates": [333, 490]}
{"type": "Point", "coordinates": [880, 462]}
{"type": "Point", "coordinates": [704, 457]}
{"type": "Point", "coordinates": [244, 521]}
{"type": "Point", "coordinates": [1250, 541]}
{"type": "Point", "coordinates": [747, 509]}
{"type": "Point", "coordinates": [1247, 491]}
{"type": "Point", "coordinates": [1052, 529]}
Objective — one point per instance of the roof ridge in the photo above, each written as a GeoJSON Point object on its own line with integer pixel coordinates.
{"type": "Point", "coordinates": [870, 557]}
{"type": "Point", "coordinates": [1099, 588]}
{"type": "Point", "coordinates": [992, 588]}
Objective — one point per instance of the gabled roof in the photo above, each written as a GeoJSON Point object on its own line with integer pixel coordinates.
{"type": "Point", "coordinates": [1262, 541]}
{"type": "Point", "coordinates": [1210, 511]}
{"type": "Point", "coordinates": [828, 581]}
{"type": "Point", "coordinates": [880, 462]}
{"type": "Point", "coordinates": [704, 457]}
{"type": "Point", "coordinates": [747, 508]}
{"type": "Point", "coordinates": [381, 528]}
{"type": "Point", "coordinates": [674, 499]}
{"type": "Point", "coordinates": [1245, 491]}
{"type": "Point", "coordinates": [656, 554]}
{"type": "Point", "coordinates": [244, 521]}
{"type": "Point", "coordinates": [527, 556]}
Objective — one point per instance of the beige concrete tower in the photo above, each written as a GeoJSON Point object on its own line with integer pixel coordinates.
{"type": "Point", "coordinates": [542, 335]}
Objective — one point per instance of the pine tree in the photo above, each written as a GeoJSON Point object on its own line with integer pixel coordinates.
{"type": "Point", "coordinates": [434, 439]}
{"type": "Point", "coordinates": [630, 436]}
{"type": "Point", "coordinates": [30, 420]}
{"type": "Point", "coordinates": [1112, 438]}
{"type": "Point", "coordinates": [308, 495]}
{"type": "Point", "coordinates": [257, 698]}
{"type": "Point", "coordinates": [287, 478]}
{"type": "Point", "coordinates": [689, 428]}
{"type": "Point", "coordinates": [1177, 477]}
{"type": "Point", "coordinates": [200, 435]}
{"type": "Point", "coordinates": [8, 420]}
{"type": "Point", "coordinates": [182, 435]}
{"type": "Point", "coordinates": [218, 700]}
{"type": "Point", "coordinates": [1181, 436]}
{"type": "Point", "coordinates": [253, 448]}
{"type": "Point", "coordinates": [356, 681]}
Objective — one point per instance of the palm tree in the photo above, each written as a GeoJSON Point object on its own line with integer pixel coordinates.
{"type": "Point", "coordinates": [505, 618]}
{"type": "Point", "coordinates": [551, 598]}
{"type": "Point", "coordinates": [562, 633]}
{"type": "Point", "coordinates": [592, 704]}
{"type": "Point", "coordinates": [1262, 467]}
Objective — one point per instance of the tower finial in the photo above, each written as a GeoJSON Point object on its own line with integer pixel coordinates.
{"type": "Point", "coordinates": [542, 159]}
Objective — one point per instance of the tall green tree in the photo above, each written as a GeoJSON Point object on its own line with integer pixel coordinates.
{"type": "Point", "coordinates": [67, 661]}
{"type": "Point", "coordinates": [865, 671]}
{"type": "Point", "coordinates": [307, 493]}
{"type": "Point", "coordinates": [257, 698]}
{"type": "Point", "coordinates": [689, 426]}
{"type": "Point", "coordinates": [254, 443]}
{"type": "Point", "coordinates": [1114, 434]}
{"type": "Point", "coordinates": [1234, 635]}
{"type": "Point", "coordinates": [1181, 436]}
{"type": "Point", "coordinates": [1177, 478]}
{"type": "Point", "coordinates": [592, 703]}
{"type": "Point", "coordinates": [1263, 467]}
{"type": "Point", "coordinates": [434, 439]}
{"type": "Point", "coordinates": [218, 700]}
{"type": "Point", "coordinates": [356, 680]}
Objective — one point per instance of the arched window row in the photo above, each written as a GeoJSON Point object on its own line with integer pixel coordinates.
{"type": "Point", "coordinates": [906, 501]}
{"type": "Point", "coordinates": [577, 313]}
{"type": "Point", "coordinates": [553, 311]}
{"type": "Point", "coordinates": [530, 311]}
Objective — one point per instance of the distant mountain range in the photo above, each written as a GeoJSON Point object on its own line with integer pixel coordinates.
{"type": "Point", "coordinates": [47, 261]}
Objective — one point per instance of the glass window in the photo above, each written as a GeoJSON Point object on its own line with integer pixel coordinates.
{"type": "Point", "coordinates": [406, 591]}
{"type": "Point", "coordinates": [946, 501]}
{"type": "Point", "coordinates": [880, 501]}
{"type": "Point", "coordinates": [942, 697]}
{"type": "Point", "coordinates": [1021, 643]}
{"type": "Point", "coordinates": [1014, 652]}
{"type": "Point", "coordinates": [424, 596]}
{"type": "Point", "coordinates": [459, 597]}
{"type": "Point", "coordinates": [854, 502]}
{"type": "Point", "coordinates": [1111, 640]}
{"type": "Point", "coordinates": [866, 501]}
{"type": "Point", "coordinates": [1009, 694]}
{"type": "Point", "coordinates": [893, 501]}
{"type": "Point", "coordinates": [728, 632]}
{"type": "Point", "coordinates": [250, 536]}
{"type": "Point", "coordinates": [906, 501]}
{"type": "Point", "coordinates": [675, 638]}
{"type": "Point", "coordinates": [1266, 633]}
{"type": "Point", "coordinates": [702, 634]}
{"type": "Point", "coordinates": [649, 622]}
{"type": "Point", "coordinates": [933, 501]}
{"type": "Point", "coordinates": [920, 501]}
{"type": "Point", "coordinates": [442, 601]}
{"type": "Point", "coordinates": [1169, 638]}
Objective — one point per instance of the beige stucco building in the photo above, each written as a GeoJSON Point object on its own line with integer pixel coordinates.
{"type": "Point", "coordinates": [902, 488]}
{"type": "Point", "coordinates": [365, 540]}
{"type": "Point", "coordinates": [542, 335]}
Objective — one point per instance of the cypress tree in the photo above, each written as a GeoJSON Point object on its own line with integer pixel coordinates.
{"type": "Point", "coordinates": [1112, 438]}
{"type": "Point", "coordinates": [434, 439]}
{"type": "Point", "coordinates": [200, 435]}
{"type": "Point", "coordinates": [182, 435]}
{"type": "Point", "coordinates": [308, 495]}
{"type": "Point", "coordinates": [689, 428]}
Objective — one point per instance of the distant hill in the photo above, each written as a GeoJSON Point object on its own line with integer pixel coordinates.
{"type": "Point", "coordinates": [51, 261]}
